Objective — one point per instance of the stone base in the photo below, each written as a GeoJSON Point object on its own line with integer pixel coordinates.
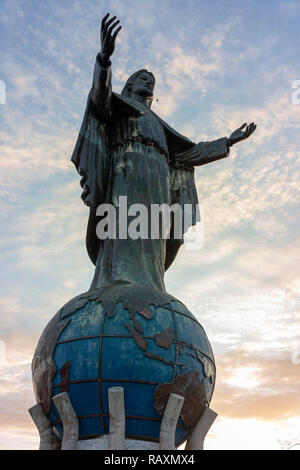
{"type": "Point", "coordinates": [101, 443]}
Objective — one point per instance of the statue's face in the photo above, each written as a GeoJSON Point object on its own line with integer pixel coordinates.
{"type": "Point", "coordinates": [143, 84]}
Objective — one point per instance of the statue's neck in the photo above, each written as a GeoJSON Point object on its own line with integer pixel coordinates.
{"type": "Point", "coordinates": [146, 100]}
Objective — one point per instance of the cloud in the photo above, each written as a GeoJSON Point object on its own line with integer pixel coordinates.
{"type": "Point", "coordinates": [16, 394]}
{"type": "Point", "coordinates": [25, 86]}
{"type": "Point", "coordinates": [289, 8]}
{"type": "Point", "coordinates": [250, 434]}
{"type": "Point", "coordinates": [19, 439]}
{"type": "Point", "coordinates": [268, 116]}
{"type": "Point", "coordinates": [251, 385]}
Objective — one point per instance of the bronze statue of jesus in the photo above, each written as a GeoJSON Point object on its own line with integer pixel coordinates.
{"type": "Point", "coordinates": [125, 149]}
{"type": "Point", "coordinates": [127, 330]}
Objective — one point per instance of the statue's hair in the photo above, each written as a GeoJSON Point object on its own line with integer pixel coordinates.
{"type": "Point", "coordinates": [128, 85]}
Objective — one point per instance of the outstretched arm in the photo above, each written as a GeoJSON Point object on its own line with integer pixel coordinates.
{"type": "Point", "coordinates": [206, 152]}
{"type": "Point", "coordinates": [101, 90]}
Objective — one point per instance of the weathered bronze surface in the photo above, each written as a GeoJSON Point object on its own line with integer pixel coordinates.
{"type": "Point", "coordinates": [132, 301]}
{"type": "Point", "coordinates": [188, 386]}
{"type": "Point", "coordinates": [138, 337]}
{"type": "Point", "coordinates": [165, 338]}
{"type": "Point", "coordinates": [125, 149]}
{"type": "Point", "coordinates": [43, 367]}
{"type": "Point", "coordinates": [64, 374]}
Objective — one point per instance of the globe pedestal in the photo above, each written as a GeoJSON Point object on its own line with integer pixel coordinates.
{"type": "Point", "coordinates": [116, 439]}
{"type": "Point", "coordinates": [137, 338]}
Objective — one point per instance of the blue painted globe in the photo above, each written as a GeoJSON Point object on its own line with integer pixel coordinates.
{"type": "Point", "coordinates": [136, 337]}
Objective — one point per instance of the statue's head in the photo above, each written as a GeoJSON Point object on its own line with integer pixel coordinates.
{"type": "Point", "coordinates": [141, 83]}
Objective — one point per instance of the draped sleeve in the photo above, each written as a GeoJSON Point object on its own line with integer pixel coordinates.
{"type": "Point", "coordinates": [204, 152]}
{"type": "Point", "coordinates": [183, 193]}
{"type": "Point", "coordinates": [91, 155]}
{"type": "Point", "coordinates": [183, 189]}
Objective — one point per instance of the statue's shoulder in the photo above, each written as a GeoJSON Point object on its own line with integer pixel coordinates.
{"type": "Point", "coordinates": [125, 104]}
{"type": "Point", "coordinates": [120, 102]}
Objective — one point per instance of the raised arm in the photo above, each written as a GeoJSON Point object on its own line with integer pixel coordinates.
{"type": "Point", "coordinates": [101, 89]}
{"type": "Point", "coordinates": [207, 152]}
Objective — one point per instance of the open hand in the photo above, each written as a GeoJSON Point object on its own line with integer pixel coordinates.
{"type": "Point", "coordinates": [239, 134]}
{"type": "Point", "coordinates": [108, 37]}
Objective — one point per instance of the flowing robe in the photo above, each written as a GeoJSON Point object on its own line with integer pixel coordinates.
{"type": "Point", "coordinates": [125, 149]}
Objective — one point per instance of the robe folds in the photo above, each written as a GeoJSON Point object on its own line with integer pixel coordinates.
{"type": "Point", "coordinates": [124, 148]}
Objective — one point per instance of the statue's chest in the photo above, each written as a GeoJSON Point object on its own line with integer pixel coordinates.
{"type": "Point", "coordinates": [144, 128]}
{"type": "Point", "coordinates": [147, 126]}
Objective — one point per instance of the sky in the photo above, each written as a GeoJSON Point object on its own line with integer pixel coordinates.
{"type": "Point", "coordinates": [217, 65]}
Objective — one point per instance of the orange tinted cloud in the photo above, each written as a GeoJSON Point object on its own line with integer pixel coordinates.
{"type": "Point", "coordinates": [273, 391]}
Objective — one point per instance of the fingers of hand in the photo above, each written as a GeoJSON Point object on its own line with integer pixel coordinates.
{"type": "Point", "coordinates": [244, 133]}
{"type": "Point", "coordinates": [242, 126]}
{"type": "Point", "coordinates": [249, 130]}
{"type": "Point", "coordinates": [110, 30]}
{"type": "Point", "coordinates": [103, 21]}
{"type": "Point", "coordinates": [107, 23]}
{"type": "Point", "coordinates": [107, 28]}
{"type": "Point", "coordinates": [116, 32]}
